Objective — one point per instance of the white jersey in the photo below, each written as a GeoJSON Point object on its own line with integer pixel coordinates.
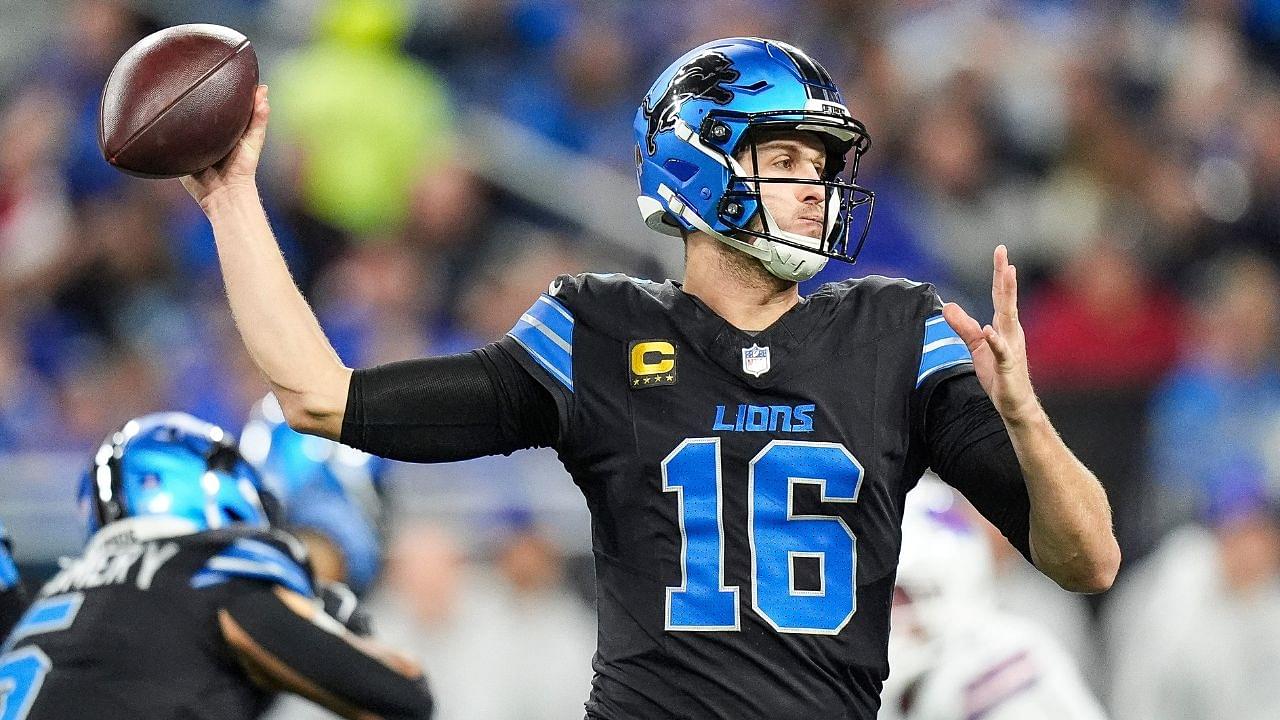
{"type": "Point", "coordinates": [989, 666]}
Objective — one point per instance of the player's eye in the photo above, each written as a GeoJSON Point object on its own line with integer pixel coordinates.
{"type": "Point", "coordinates": [783, 161]}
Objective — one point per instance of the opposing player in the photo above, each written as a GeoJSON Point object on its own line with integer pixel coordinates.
{"type": "Point", "coordinates": [185, 603]}
{"type": "Point", "coordinates": [744, 451]}
{"type": "Point", "coordinates": [955, 655]}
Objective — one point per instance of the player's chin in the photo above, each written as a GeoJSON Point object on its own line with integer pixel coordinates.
{"type": "Point", "coordinates": [807, 228]}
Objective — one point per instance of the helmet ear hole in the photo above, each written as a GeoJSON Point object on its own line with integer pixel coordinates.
{"type": "Point", "coordinates": [682, 170]}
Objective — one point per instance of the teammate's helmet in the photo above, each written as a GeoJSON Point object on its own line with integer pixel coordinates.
{"type": "Point", "coordinates": [324, 486]}
{"type": "Point", "coordinates": [175, 465]}
{"type": "Point", "coordinates": [946, 567]}
{"type": "Point", "coordinates": [708, 106]}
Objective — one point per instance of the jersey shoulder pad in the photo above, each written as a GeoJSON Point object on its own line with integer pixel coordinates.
{"type": "Point", "coordinates": [607, 304]}
{"type": "Point", "coordinates": [882, 302]}
{"type": "Point", "coordinates": [586, 291]}
{"type": "Point", "coordinates": [268, 556]}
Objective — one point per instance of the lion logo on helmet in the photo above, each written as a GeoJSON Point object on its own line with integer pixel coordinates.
{"type": "Point", "coordinates": [700, 78]}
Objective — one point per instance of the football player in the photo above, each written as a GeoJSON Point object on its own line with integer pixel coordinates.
{"type": "Point", "coordinates": [186, 603]}
{"type": "Point", "coordinates": [331, 495]}
{"type": "Point", "coordinates": [744, 451]}
{"type": "Point", "coordinates": [954, 654]}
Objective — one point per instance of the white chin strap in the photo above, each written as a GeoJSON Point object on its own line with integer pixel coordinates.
{"type": "Point", "coordinates": [783, 261]}
{"type": "Point", "coordinates": [788, 262]}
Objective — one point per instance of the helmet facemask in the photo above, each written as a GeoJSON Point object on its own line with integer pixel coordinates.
{"type": "Point", "coordinates": [789, 255]}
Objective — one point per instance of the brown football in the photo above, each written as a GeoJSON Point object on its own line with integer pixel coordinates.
{"type": "Point", "coordinates": [177, 101]}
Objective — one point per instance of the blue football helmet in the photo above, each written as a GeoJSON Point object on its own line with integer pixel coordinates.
{"type": "Point", "coordinates": [175, 465]}
{"type": "Point", "coordinates": [711, 104]}
{"type": "Point", "coordinates": [323, 486]}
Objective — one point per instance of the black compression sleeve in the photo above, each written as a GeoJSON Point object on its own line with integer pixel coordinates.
{"type": "Point", "coordinates": [448, 408]}
{"type": "Point", "coordinates": [970, 449]}
{"type": "Point", "coordinates": [323, 659]}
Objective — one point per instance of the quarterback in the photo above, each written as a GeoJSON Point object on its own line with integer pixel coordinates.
{"type": "Point", "coordinates": [744, 451]}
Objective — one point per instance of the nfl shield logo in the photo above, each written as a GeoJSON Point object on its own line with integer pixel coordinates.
{"type": "Point", "coordinates": [755, 360]}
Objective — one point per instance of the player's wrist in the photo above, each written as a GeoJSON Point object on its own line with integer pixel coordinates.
{"type": "Point", "coordinates": [1024, 414]}
{"type": "Point", "coordinates": [228, 196]}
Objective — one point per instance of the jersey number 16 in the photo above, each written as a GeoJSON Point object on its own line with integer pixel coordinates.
{"type": "Point", "coordinates": [778, 537]}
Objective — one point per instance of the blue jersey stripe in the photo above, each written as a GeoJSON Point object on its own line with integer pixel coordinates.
{"type": "Point", "coordinates": [8, 570]}
{"type": "Point", "coordinates": [941, 348]}
{"type": "Point", "coordinates": [554, 316]}
{"type": "Point", "coordinates": [936, 328]}
{"type": "Point", "coordinates": [552, 359]}
{"type": "Point", "coordinates": [46, 615]}
{"type": "Point", "coordinates": [943, 357]}
{"type": "Point", "coordinates": [560, 342]}
{"type": "Point", "coordinates": [545, 331]}
{"type": "Point", "coordinates": [256, 560]}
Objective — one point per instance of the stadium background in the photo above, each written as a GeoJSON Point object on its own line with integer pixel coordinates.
{"type": "Point", "coordinates": [432, 165]}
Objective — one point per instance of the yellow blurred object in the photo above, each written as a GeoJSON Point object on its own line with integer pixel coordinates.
{"type": "Point", "coordinates": [368, 119]}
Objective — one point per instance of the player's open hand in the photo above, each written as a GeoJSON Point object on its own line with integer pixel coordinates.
{"type": "Point", "coordinates": [239, 167]}
{"type": "Point", "coordinates": [1000, 349]}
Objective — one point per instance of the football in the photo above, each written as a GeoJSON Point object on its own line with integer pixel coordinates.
{"type": "Point", "coordinates": [178, 101]}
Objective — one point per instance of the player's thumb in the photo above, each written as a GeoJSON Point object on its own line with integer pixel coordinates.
{"type": "Point", "coordinates": [969, 330]}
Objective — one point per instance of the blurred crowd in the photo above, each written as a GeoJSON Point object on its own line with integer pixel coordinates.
{"type": "Point", "coordinates": [1128, 153]}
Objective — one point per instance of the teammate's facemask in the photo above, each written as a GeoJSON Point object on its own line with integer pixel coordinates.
{"type": "Point", "coordinates": [705, 108]}
{"type": "Point", "coordinates": [175, 465]}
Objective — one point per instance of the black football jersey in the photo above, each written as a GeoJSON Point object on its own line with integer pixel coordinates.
{"type": "Point", "coordinates": [746, 489]}
{"type": "Point", "coordinates": [130, 629]}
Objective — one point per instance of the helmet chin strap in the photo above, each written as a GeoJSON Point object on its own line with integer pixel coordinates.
{"type": "Point", "coordinates": [781, 260]}
{"type": "Point", "coordinates": [788, 262]}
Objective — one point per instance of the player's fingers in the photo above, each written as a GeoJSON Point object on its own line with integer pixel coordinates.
{"type": "Point", "coordinates": [969, 330]}
{"type": "Point", "coordinates": [255, 135]}
{"type": "Point", "coordinates": [261, 111]}
{"type": "Point", "coordinates": [1011, 290]}
{"type": "Point", "coordinates": [1004, 292]}
{"type": "Point", "coordinates": [999, 346]}
{"type": "Point", "coordinates": [999, 261]}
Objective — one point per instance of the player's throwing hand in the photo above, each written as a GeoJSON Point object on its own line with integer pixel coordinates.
{"type": "Point", "coordinates": [237, 168]}
{"type": "Point", "coordinates": [1000, 349]}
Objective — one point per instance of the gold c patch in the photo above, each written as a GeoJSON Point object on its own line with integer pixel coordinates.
{"type": "Point", "coordinates": [652, 363]}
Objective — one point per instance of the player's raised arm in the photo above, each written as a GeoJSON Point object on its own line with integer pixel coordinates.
{"type": "Point", "coordinates": [279, 329]}
{"type": "Point", "coordinates": [1071, 537]}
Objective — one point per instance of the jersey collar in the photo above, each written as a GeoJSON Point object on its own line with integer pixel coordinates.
{"type": "Point", "coordinates": [131, 531]}
{"type": "Point", "coordinates": [724, 343]}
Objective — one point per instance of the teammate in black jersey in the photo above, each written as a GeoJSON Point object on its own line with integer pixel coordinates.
{"type": "Point", "coordinates": [13, 594]}
{"type": "Point", "coordinates": [185, 603]}
{"type": "Point", "coordinates": [744, 451]}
